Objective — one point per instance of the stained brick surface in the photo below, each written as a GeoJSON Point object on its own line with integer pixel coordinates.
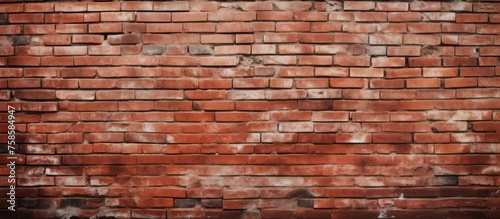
{"type": "Point", "coordinates": [252, 109]}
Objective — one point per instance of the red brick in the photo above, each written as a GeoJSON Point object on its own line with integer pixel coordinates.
{"type": "Point", "coordinates": [88, 39]}
{"type": "Point", "coordinates": [391, 6]}
{"type": "Point", "coordinates": [67, 7]}
{"type": "Point", "coordinates": [351, 61]}
{"type": "Point", "coordinates": [171, 6]}
{"type": "Point", "coordinates": [388, 62]}
{"type": "Point", "coordinates": [275, 15]}
{"type": "Point", "coordinates": [425, 6]}
{"type": "Point", "coordinates": [350, 38]}
{"type": "Point", "coordinates": [359, 28]}
{"type": "Point", "coordinates": [424, 28]}
{"type": "Point", "coordinates": [65, 138]}
{"type": "Point", "coordinates": [23, 61]}
{"type": "Point", "coordinates": [421, 39]}
{"type": "Point", "coordinates": [458, 28]}
{"type": "Point", "coordinates": [475, 40]}
{"type": "Point", "coordinates": [293, 26]}
{"type": "Point", "coordinates": [403, 16]}
{"type": "Point", "coordinates": [189, 16]}
{"type": "Point", "coordinates": [460, 82]}
{"type": "Point", "coordinates": [295, 49]}
{"type": "Point", "coordinates": [103, 6]}
{"type": "Point", "coordinates": [39, 29]}
{"type": "Point", "coordinates": [432, 138]}
{"type": "Point", "coordinates": [440, 72]}
{"type": "Point", "coordinates": [217, 38]}
{"type": "Point", "coordinates": [423, 83]}
{"type": "Point", "coordinates": [340, 16]}
{"type": "Point", "coordinates": [459, 61]}
{"type": "Point", "coordinates": [26, 18]}
{"type": "Point", "coordinates": [348, 83]}
{"type": "Point", "coordinates": [424, 62]}
{"type": "Point", "coordinates": [153, 16]}
{"type": "Point", "coordinates": [362, 6]}
{"type": "Point", "coordinates": [471, 18]}
{"type": "Point", "coordinates": [366, 72]}
{"type": "Point", "coordinates": [370, 16]}
{"type": "Point", "coordinates": [105, 28]}
{"type": "Point", "coordinates": [136, 6]}
{"type": "Point", "coordinates": [12, 7]}
{"type": "Point", "coordinates": [232, 16]}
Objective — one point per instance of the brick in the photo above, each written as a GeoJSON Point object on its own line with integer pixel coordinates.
{"type": "Point", "coordinates": [403, 51]}
{"type": "Point", "coordinates": [403, 16]}
{"type": "Point", "coordinates": [460, 82]}
{"type": "Point", "coordinates": [362, 6]}
{"type": "Point", "coordinates": [350, 38]}
{"type": "Point", "coordinates": [351, 61]}
{"type": "Point", "coordinates": [136, 6]}
{"type": "Point", "coordinates": [171, 6]}
{"type": "Point", "coordinates": [217, 38]}
{"type": "Point", "coordinates": [87, 39]}
{"type": "Point", "coordinates": [295, 49]}
{"type": "Point", "coordinates": [70, 50]}
{"type": "Point", "coordinates": [421, 39]}
{"type": "Point", "coordinates": [391, 6]}
{"type": "Point", "coordinates": [424, 28]}
{"type": "Point", "coordinates": [424, 61]}
{"type": "Point", "coordinates": [348, 83]}
{"type": "Point", "coordinates": [39, 29]}
{"type": "Point", "coordinates": [458, 28]}
{"type": "Point", "coordinates": [105, 28]}
{"type": "Point", "coordinates": [388, 62]}
{"type": "Point", "coordinates": [471, 18]}
{"type": "Point", "coordinates": [189, 16]}
{"type": "Point", "coordinates": [275, 15]}
{"type": "Point", "coordinates": [164, 28]}
{"type": "Point", "coordinates": [366, 72]}
{"type": "Point", "coordinates": [231, 50]}
{"type": "Point", "coordinates": [123, 39]}
{"type": "Point", "coordinates": [296, 72]}
{"type": "Point", "coordinates": [280, 37]}
{"type": "Point", "coordinates": [475, 40]}
{"type": "Point", "coordinates": [423, 83]}
{"type": "Point", "coordinates": [339, 16]}
{"type": "Point", "coordinates": [12, 8]}
{"type": "Point", "coordinates": [293, 26]}
{"type": "Point", "coordinates": [359, 28]}
{"type": "Point", "coordinates": [370, 16]}
{"type": "Point", "coordinates": [66, 7]}
{"type": "Point", "coordinates": [26, 18]}
{"type": "Point", "coordinates": [392, 28]}
{"type": "Point", "coordinates": [425, 6]}
{"type": "Point", "coordinates": [232, 16]}
{"type": "Point", "coordinates": [153, 16]}
{"type": "Point", "coordinates": [440, 72]}
{"type": "Point", "coordinates": [199, 27]}
{"type": "Point", "coordinates": [103, 6]}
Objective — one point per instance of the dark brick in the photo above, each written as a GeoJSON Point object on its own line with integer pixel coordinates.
{"type": "Point", "coordinates": [443, 181]}
{"type": "Point", "coordinates": [307, 203]}
{"type": "Point", "coordinates": [153, 50]}
{"type": "Point", "coordinates": [20, 40]}
{"type": "Point", "coordinates": [184, 203]}
{"type": "Point", "coordinates": [3, 19]}
{"type": "Point", "coordinates": [200, 49]}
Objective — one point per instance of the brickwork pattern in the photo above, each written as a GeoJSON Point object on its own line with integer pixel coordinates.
{"type": "Point", "coordinates": [253, 109]}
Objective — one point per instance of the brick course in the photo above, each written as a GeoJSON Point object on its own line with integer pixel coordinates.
{"type": "Point", "coordinates": [252, 109]}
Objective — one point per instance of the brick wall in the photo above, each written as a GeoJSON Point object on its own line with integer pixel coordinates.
{"type": "Point", "coordinates": [256, 109]}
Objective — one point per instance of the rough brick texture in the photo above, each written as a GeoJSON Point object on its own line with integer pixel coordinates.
{"type": "Point", "coordinates": [252, 109]}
